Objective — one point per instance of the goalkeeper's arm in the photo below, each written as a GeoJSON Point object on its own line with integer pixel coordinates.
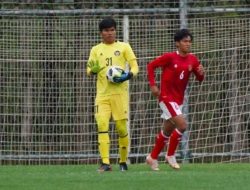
{"type": "Point", "coordinates": [134, 69]}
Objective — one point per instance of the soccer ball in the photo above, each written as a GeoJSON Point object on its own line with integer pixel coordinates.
{"type": "Point", "coordinates": [114, 71]}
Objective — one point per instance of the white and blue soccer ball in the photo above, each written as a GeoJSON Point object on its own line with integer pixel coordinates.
{"type": "Point", "coordinates": [114, 71]}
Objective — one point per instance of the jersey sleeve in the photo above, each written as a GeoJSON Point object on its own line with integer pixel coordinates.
{"type": "Point", "coordinates": [198, 76]}
{"type": "Point", "coordinates": [161, 61]}
{"type": "Point", "coordinates": [131, 59]}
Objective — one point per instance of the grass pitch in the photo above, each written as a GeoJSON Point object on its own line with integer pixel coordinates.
{"type": "Point", "coordinates": [138, 177]}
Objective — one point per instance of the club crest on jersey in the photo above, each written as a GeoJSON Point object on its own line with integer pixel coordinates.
{"type": "Point", "coordinates": [101, 54]}
{"type": "Point", "coordinates": [117, 53]}
{"type": "Point", "coordinates": [175, 66]}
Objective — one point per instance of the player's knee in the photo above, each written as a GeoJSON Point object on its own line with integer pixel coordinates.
{"type": "Point", "coordinates": [182, 130]}
{"type": "Point", "coordinates": [103, 137]}
{"type": "Point", "coordinates": [168, 128]}
{"type": "Point", "coordinates": [167, 131]}
{"type": "Point", "coordinates": [181, 123]}
{"type": "Point", "coordinates": [102, 124]}
{"type": "Point", "coordinates": [182, 127]}
{"type": "Point", "coordinates": [121, 127]}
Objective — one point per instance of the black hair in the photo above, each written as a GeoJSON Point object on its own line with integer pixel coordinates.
{"type": "Point", "coordinates": [107, 22]}
{"type": "Point", "coordinates": [183, 33]}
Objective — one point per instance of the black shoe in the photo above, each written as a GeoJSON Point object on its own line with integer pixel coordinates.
{"type": "Point", "coordinates": [123, 166]}
{"type": "Point", "coordinates": [104, 168]}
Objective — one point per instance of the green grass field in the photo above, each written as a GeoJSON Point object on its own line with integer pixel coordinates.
{"type": "Point", "coordinates": [139, 177]}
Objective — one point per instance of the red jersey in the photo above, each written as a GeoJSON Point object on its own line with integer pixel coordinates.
{"type": "Point", "coordinates": [176, 71]}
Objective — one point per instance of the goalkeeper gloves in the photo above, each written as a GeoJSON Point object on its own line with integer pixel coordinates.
{"type": "Point", "coordinates": [125, 76]}
{"type": "Point", "coordinates": [94, 66]}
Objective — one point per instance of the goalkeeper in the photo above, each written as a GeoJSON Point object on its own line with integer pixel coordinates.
{"type": "Point", "coordinates": [176, 69]}
{"type": "Point", "coordinates": [111, 98]}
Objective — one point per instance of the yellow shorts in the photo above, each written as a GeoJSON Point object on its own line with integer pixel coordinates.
{"type": "Point", "coordinates": [113, 105]}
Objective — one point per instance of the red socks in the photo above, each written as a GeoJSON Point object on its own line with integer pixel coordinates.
{"type": "Point", "coordinates": [173, 142]}
{"type": "Point", "coordinates": [160, 142]}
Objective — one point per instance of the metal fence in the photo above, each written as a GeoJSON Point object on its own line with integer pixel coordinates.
{"type": "Point", "coordinates": [46, 110]}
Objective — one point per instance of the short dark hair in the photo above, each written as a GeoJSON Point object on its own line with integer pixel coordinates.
{"type": "Point", "coordinates": [183, 33]}
{"type": "Point", "coordinates": [107, 22]}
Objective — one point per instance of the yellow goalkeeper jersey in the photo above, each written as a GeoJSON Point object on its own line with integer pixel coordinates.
{"type": "Point", "coordinates": [116, 54]}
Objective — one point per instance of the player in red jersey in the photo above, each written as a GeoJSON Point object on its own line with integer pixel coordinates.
{"type": "Point", "coordinates": [176, 69]}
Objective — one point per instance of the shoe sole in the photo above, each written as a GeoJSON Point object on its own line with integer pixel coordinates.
{"type": "Point", "coordinates": [171, 166]}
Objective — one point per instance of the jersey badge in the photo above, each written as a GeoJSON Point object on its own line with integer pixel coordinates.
{"type": "Point", "coordinates": [175, 66]}
{"type": "Point", "coordinates": [117, 53]}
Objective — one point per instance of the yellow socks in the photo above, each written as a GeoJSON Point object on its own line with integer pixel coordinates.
{"type": "Point", "coordinates": [123, 148]}
{"type": "Point", "coordinates": [103, 143]}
